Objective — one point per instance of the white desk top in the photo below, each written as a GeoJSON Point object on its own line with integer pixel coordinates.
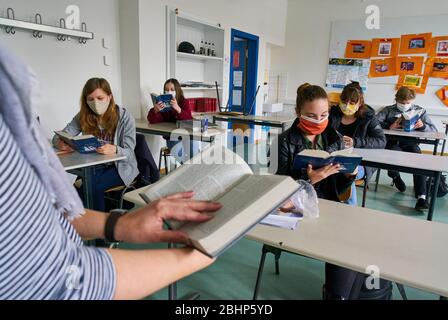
{"type": "Point", "coordinates": [409, 251]}
{"type": "Point", "coordinates": [166, 128]}
{"type": "Point", "coordinates": [404, 159]}
{"type": "Point", "coordinates": [271, 119]}
{"type": "Point", "coordinates": [417, 134]}
{"type": "Point", "coordinates": [75, 160]}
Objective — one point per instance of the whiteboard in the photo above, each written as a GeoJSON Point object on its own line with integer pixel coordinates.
{"type": "Point", "coordinates": [381, 91]}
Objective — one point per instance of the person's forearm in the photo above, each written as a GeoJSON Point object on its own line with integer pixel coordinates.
{"type": "Point", "coordinates": [141, 273]}
{"type": "Point", "coordinates": [91, 226]}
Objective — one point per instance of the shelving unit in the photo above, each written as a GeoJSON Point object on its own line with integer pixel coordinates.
{"type": "Point", "coordinates": [194, 67]}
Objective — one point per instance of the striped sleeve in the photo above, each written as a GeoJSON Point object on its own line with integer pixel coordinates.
{"type": "Point", "coordinates": [41, 255]}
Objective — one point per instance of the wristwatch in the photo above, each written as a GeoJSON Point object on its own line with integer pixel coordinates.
{"type": "Point", "coordinates": [111, 223]}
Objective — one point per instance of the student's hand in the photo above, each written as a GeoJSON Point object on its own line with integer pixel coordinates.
{"type": "Point", "coordinates": [396, 125]}
{"type": "Point", "coordinates": [62, 146]}
{"type": "Point", "coordinates": [317, 176]}
{"type": "Point", "coordinates": [158, 107]}
{"type": "Point", "coordinates": [107, 149]}
{"type": "Point", "coordinates": [348, 142]}
{"type": "Point", "coordinates": [287, 207]}
{"type": "Point", "coordinates": [419, 125]}
{"type": "Point", "coordinates": [146, 225]}
{"type": "Point", "coordinates": [176, 106]}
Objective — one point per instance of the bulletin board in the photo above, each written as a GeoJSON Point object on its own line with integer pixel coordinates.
{"type": "Point", "coordinates": [381, 89]}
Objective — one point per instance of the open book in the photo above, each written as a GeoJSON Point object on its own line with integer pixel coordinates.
{"type": "Point", "coordinates": [165, 99]}
{"type": "Point", "coordinates": [246, 198]}
{"type": "Point", "coordinates": [82, 144]}
{"type": "Point", "coordinates": [409, 120]}
{"type": "Point", "coordinates": [319, 159]}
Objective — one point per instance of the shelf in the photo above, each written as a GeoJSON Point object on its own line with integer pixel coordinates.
{"type": "Point", "coordinates": [181, 55]}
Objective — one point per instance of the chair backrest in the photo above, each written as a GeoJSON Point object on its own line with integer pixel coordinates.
{"type": "Point", "coordinates": [149, 172]}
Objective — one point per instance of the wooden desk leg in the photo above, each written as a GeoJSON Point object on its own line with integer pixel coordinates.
{"type": "Point", "coordinates": [432, 205]}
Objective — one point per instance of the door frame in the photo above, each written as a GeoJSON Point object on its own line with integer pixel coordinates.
{"type": "Point", "coordinates": [252, 68]}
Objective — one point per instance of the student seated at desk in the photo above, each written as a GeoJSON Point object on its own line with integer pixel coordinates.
{"type": "Point", "coordinates": [115, 127]}
{"type": "Point", "coordinates": [311, 130]}
{"type": "Point", "coordinates": [180, 112]}
{"type": "Point", "coordinates": [43, 222]}
{"type": "Point", "coordinates": [390, 118]}
{"type": "Point", "coordinates": [356, 121]}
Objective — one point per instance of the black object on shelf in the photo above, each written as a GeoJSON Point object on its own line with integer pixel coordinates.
{"type": "Point", "coordinates": [186, 47]}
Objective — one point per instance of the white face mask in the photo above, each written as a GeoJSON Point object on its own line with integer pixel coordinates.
{"type": "Point", "coordinates": [99, 107]}
{"type": "Point", "coordinates": [173, 93]}
{"type": "Point", "coordinates": [312, 120]}
{"type": "Point", "coordinates": [404, 107]}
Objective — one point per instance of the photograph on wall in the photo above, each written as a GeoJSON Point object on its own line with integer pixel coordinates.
{"type": "Point", "coordinates": [417, 82]}
{"type": "Point", "coordinates": [383, 68]}
{"type": "Point", "coordinates": [410, 65]}
{"type": "Point", "coordinates": [358, 49]}
{"type": "Point", "coordinates": [385, 48]}
{"type": "Point", "coordinates": [437, 68]}
{"type": "Point", "coordinates": [415, 43]}
{"type": "Point", "coordinates": [439, 47]}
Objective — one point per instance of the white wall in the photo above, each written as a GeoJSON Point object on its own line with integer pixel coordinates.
{"type": "Point", "coordinates": [264, 18]}
{"type": "Point", "coordinates": [64, 67]}
{"type": "Point", "coordinates": [305, 55]}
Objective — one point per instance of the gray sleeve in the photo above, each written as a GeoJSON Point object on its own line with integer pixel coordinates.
{"type": "Point", "coordinates": [73, 129]}
{"type": "Point", "coordinates": [128, 148]}
{"type": "Point", "coordinates": [429, 125]}
{"type": "Point", "coordinates": [382, 118]}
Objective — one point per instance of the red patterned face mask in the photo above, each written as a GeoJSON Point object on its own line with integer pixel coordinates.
{"type": "Point", "coordinates": [312, 126]}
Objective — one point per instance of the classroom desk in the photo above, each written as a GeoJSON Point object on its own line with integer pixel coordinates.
{"type": "Point", "coordinates": [421, 164]}
{"type": "Point", "coordinates": [82, 166]}
{"type": "Point", "coordinates": [407, 251]}
{"type": "Point", "coordinates": [167, 128]}
{"type": "Point", "coordinates": [273, 122]}
{"type": "Point", "coordinates": [431, 138]}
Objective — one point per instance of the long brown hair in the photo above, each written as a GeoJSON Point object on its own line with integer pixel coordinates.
{"type": "Point", "coordinates": [179, 92]}
{"type": "Point", "coordinates": [353, 93]}
{"type": "Point", "coordinates": [90, 122]}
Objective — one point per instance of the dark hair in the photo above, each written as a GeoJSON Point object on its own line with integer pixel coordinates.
{"type": "Point", "coordinates": [353, 93]}
{"type": "Point", "coordinates": [308, 93]}
{"type": "Point", "coordinates": [405, 94]}
{"type": "Point", "coordinates": [179, 92]}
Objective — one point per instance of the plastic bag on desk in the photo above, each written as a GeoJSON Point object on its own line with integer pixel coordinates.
{"type": "Point", "coordinates": [305, 200]}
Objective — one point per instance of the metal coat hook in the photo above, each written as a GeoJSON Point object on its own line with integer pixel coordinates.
{"type": "Point", "coordinates": [11, 15]}
{"type": "Point", "coordinates": [38, 34]}
{"type": "Point", "coordinates": [84, 29]}
{"type": "Point", "coordinates": [63, 26]}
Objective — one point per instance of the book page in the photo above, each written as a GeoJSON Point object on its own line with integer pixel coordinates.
{"type": "Point", "coordinates": [243, 207]}
{"type": "Point", "coordinates": [346, 152]}
{"type": "Point", "coordinates": [201, 175]}
{"type": "Point", "coordinates": [315, 153]}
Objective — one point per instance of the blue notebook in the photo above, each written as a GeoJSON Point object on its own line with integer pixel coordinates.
{"type": "Point", "coordinates": [165, 99]}
{"type": "Point", "coordinates": [319, 159]}
{"type": "Point", "coordinates": [82, 144]}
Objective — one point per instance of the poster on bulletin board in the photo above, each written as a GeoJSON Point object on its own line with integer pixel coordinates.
{"type": "Point", "coordinates": [342, 72]}
{"type": "Point", "coordinates": [439, 47]}
{"type": "Point", "coordinates": [385, 48]}
{"type": "Point", "coordinates": [410, 65]}
{"type": "Point", "coordinates": [443, 95]}
{"type": "Point", "coordinates": [417, 82]}
{"type": "Point", "coordinates": [383, 68]}
{"type": "Point", "coordinates": [437, 68]}
{"type": "Point", "coordinates": [358, 49]}
{"type": "Point", "coordinates": [415, 43]}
